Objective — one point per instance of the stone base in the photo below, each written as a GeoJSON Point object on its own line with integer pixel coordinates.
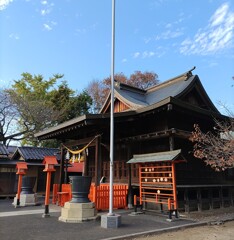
{"type": "Point", "coordinates": [77, 212]}
{"type": "Point", "coordinates": [26, 200]}
{"type": "Point", "coordinates": [108, 221]}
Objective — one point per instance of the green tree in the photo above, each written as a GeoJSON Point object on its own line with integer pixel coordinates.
{"type": "Point", "coordinates": [43, 103]}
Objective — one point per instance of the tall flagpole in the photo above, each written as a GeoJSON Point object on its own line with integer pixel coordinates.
{"type": "Point", "coordinates": [112, 110]}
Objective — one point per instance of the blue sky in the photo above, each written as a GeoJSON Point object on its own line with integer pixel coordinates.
{"type": "Point", "coordinates": [73, 37]}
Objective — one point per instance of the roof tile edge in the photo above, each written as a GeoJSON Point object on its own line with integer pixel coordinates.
{"type": "Point", "coordinates": [182, 77]}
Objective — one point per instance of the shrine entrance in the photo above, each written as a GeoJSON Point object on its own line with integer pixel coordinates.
{"type": "Point", "coordinates": [157, 179]}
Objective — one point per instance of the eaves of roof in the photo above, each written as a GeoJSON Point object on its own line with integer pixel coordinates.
{"type": "Point", "coordinates": [79, 121]}
{"type": "Point", "coordinates": [155, 157]}
{"type": "Point", "coordinates": [182, 104]}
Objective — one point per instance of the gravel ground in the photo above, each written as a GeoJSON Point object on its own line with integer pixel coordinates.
{"type": "Point", "coordinates": [219, 226]}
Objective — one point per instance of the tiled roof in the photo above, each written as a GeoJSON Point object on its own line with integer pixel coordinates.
{"type": "Point", "coordinates": [35, 153]}
{"type": "Point", "coordinates": [175, 88]}
{"type": "Point", "coordinates": [154, 94]}
{"type": "Point", "coordinates": [11, 149]}
{"type": "Point", "coordinates": [3, 150]}
{"type": "Point", "coordinates": [155, 157]}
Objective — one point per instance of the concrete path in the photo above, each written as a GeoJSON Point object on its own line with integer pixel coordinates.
{"type": "Point", "coordinates": [27, 223]}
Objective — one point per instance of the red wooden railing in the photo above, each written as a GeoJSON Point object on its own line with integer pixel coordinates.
{"type": "Point", "coordinates": [99, 195]}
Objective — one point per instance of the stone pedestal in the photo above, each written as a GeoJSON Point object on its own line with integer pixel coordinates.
{"type": "Point", "coordinates": [26, 200]}
{"type": "Point", "coordinates": [77, 212]}
{"type": "Point", "coordinates": [110, 221]}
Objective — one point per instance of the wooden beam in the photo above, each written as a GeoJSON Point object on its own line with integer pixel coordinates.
{"type": "Point", "coordinates": [83, 141]}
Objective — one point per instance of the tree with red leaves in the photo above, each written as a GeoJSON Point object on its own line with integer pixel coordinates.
{"type": "Point", "coordinates": [99, 90]}
{"type": "Point", "coordinates": [215, 148]}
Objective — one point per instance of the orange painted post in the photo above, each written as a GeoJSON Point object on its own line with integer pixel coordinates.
{"type": "Point", "coordinates": [169, 208]}
{"type": "Point", "coordinates": [135, 203]}
{"type": "Point", "coordinates": [174, 189]}
{"type": "Point", "coordinates": [19, 189]}
{"type": "Point", "coordinates": [49, 162]}
{"type": "Point", "coordinates": [22, 166]}
{"type": "Point", "coordinates": [47, 196]}
{"type": "Point", "coordinates": [174, 185]}
{"type": "Point", "coordinates": [140, 170]}
{"type": "Point", "coordinates": [169, 204]}
{"type": "Point", "coordinates": [55, 193]}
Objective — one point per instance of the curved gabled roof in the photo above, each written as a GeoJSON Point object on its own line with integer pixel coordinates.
{"type": "Point", "coordinates": [177, 87]}
{"type": "Point", "coordinates": [169, 89]}
{"type": "Point", "coordinates": [133, 100]}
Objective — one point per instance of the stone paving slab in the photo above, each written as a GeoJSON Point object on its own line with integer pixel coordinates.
{"type": "Point", "coordinates": [34, 227]}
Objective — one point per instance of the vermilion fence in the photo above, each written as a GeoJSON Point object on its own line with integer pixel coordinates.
{"type": "Point", "coordinates": [99, 195]}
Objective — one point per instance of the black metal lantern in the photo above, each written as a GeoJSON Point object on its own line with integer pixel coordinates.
{"type": "Point", "coordinates": [28, 185]}
{"type": "Point", "coordinates": [80, 188]}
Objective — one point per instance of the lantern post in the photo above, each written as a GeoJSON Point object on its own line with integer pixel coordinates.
{"type": "Point", "coordinates": [22, 167]}
{"type": "Point", "coordinates": [49, 162]}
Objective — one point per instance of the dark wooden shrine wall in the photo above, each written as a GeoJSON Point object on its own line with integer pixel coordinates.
{"type": "Point", "coordinates": [195, 171]}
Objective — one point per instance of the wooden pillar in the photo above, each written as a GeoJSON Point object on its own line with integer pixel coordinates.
{"type": "Point", "coordinates": [199, 200]}
{"type": "Point", "coordinates": [171, 143]}
{"type": "Point", "coordinates": [97, 161]}
{"type": "Point", "coordinates": [85, 167]}
{"type": "Point", "coordinates": [130, 192]}
{"type": "Point", "coordinates": [61, 170]}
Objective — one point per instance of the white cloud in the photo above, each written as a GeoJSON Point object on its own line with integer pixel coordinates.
{"type": "Point", "coordinates": [124, 60]}
{"type": "Point", "coordinates": [136, 55]}
{"type": "Point", "coordinates": [170, 33]}
{"type": "Point", "coordinates": [4, 4]}
{"type": "Point", "coordinates": [215, 37]}
{"type": "Point", "coordinates": [147, 40]}
{"type": "Point", "coordinates": [14, 36]}
{"type": "Point", "coordinates": [170, 30]}
{"type": "Point", "coordinates": [47, 27]}
{"type": "Point", "coordinates": [147, 54]}
{"type": "Point", "coordinates": [47, 8]}
{"type": "Point", "coordinates": [158, 52]}
{"type": "Point", "coordinates": [45, 11]}
{"type": "Point", "coordinates": [80, 31]}
{"type": "Point", "coordinates": [219, 15]}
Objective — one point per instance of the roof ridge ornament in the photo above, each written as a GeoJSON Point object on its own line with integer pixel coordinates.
{"type": "Point", "coordinates": [187, 75]}
{"type": "Point", "coordinates": [182, 77]}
